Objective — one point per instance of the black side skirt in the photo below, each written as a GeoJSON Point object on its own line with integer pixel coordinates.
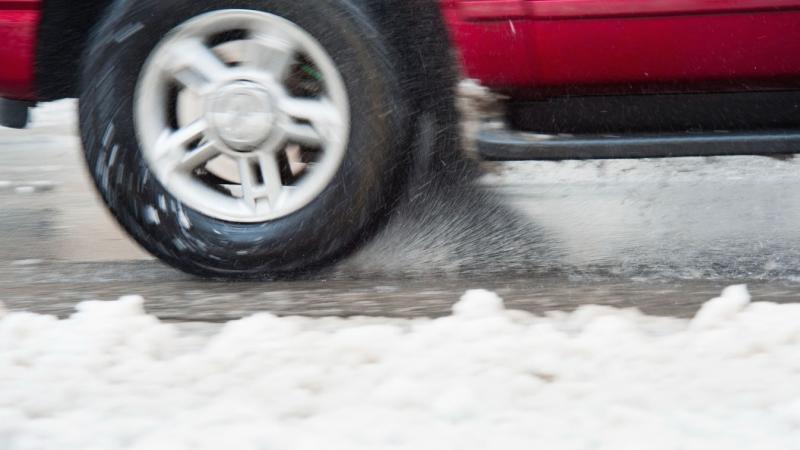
{"type": "Point", "coordinates": [503, 144]}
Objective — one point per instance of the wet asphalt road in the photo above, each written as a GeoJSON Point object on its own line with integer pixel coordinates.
{"type": "Point", "coordinates": [663, 236]}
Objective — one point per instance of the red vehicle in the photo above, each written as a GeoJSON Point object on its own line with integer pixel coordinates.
{"type": "Point", "coordinates": [248, 138]}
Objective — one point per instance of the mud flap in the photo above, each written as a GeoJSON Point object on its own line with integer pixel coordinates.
{"type": "Point", "coordinates": [14, 113]}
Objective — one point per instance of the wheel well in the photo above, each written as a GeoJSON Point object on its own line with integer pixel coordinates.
{"type": "Point", "coordinates": [416, 31]}
{"type": "Point", "coordinates": [418, 36]}
{"type": "Point", "coordinates": [63, 32]}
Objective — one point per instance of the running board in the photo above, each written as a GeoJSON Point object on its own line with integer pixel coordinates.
{"type": "Point", "coordinates": [506, 145]}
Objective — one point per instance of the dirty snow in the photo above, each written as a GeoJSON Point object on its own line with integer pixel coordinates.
{"type": "Point", "coordinates": [111, 377]}
{"type": "Point", "coordinates": [26, 187]}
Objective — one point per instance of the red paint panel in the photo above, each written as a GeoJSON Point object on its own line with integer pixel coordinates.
{"type": "Point", "coordinates": [19, 20]}
{"type": "Point", "coordinates": [627, 8]}
{"type": "Point", "coordinates": [678, 53]}
{"type": "Point", "coordinates": [493, 9]}
{"type": "Point", "coordinates": [496, 53]}
{"type": "Point", "coordinates": [690, 48]}
{"type": "Point", "coordinates": [33, 5]}
{"type": "Point", "coordinates": [512, 9]}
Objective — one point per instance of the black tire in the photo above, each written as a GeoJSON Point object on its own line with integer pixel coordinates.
{"type": "Point", "coordinates": [347, 212]}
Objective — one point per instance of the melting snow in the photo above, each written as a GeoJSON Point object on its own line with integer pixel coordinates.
{"type": "Point", "coordinates": [113, 377]}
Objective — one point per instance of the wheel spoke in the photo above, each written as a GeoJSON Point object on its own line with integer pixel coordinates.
{"type": "Point", "coordinates": [193, 64]}
{"type": "Point", "coordinates": [310, 109]}
{"type": "Point", "coordinates": [199, 156]}
{"type": "Point", "coordinates": [171, 148]}
{"type": "Point", "coordinates": [302, 134]}
{"type": "Point", "coordinates": [271, 173]}
{"type": "Point", "coordinates": [271, 53]}
{"type": "Point", "coordinates": [248, 182]}
{"type": "Point", "coordinates": [322, 118]}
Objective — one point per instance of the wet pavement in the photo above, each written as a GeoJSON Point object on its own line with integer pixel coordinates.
{"type": "Point", "coordinates": [660, 235]}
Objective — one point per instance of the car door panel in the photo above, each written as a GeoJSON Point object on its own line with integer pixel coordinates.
{"type": "Point", "coordinates": [609, 46]}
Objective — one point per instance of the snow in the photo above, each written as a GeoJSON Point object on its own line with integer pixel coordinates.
{"type": "Point", "coordinates": [478, 303]}
{"type": "Point", "coordinates": [24, 189]}
{"type": "Point", "coordinates": [60, 114]}
{"type": "Point", "coordinates": [112, 377]}
{"type": "Point", "coordinates": [719, 310]}
{"type": "Point", "coordinates": [27, 187]}
{"type": "Point", "coordinates": [26, 262]}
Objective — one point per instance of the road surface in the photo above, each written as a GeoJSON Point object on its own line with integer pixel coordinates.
{"type": "Point", "coordinates": [660, 235]}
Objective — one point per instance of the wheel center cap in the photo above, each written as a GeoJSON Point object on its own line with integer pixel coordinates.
{"type": "Point", "coordinates": [242, 115]}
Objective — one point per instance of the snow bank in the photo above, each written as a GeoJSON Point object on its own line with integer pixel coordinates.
{"type": "Point", "coordinates": [112, 377]}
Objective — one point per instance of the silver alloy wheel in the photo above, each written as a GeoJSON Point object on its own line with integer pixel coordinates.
{"type": "Point", "coordinates": [220, 127]}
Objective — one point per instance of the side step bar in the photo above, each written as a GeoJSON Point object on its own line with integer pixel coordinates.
{"type": "Point", "coordinates": [506, 145]}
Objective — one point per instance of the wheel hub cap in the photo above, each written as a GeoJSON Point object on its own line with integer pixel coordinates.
{"type": "Point", "coordinates": [242, 115]}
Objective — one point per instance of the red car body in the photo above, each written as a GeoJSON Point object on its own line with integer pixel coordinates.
{"type": "Point", "coordinates": [19, 21]}
{"type": "Point", "coordinates": [534, 48]}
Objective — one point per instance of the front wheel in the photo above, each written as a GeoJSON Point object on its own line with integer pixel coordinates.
{"type": "Point", "coordinates": [261, 139]}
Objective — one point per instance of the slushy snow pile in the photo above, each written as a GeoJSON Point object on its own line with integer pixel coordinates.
{"type": "Point", "coordinates": [112, 377]}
